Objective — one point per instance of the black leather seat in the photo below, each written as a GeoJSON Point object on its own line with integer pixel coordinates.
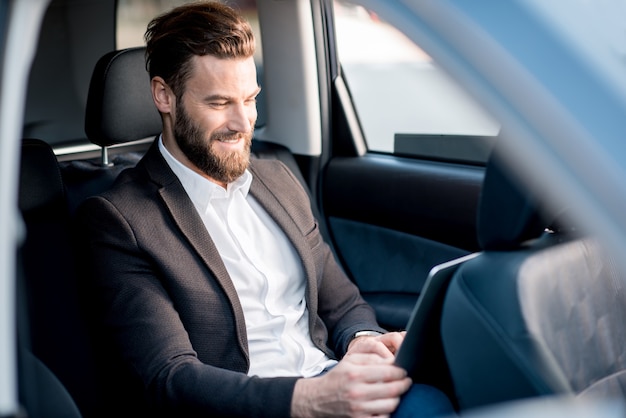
{"type": "Point", "coordinates": [119, 104]}
{"type": "Point", "coordinates": [538, 312]}
{"type": "Point", "coordinates": [55, 349]}
{"type": "Point", "coordinates": [119, 110]}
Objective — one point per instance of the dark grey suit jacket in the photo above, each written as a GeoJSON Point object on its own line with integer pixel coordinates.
{"type": "Point", "coordinates": [170, 307]}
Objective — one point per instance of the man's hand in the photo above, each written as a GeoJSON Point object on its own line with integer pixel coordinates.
{"type": "Point", "coordinates": [360, 385]}
{"type": "Point", "coordinates": [385, 345]}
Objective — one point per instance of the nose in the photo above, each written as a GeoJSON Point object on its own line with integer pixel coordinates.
{"type": "Point", "coordinates": [242, 117]}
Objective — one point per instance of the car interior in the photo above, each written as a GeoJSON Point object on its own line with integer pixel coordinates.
{"type": "Point", "coordinates": [536, 312]}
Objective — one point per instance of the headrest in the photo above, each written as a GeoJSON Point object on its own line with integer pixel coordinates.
{"type": "Point", "coordinates": [119, 105]}
{"type": "Point", "coordinates": [506, 215]}
{"type": "Point", "coordinates": [41, 190]}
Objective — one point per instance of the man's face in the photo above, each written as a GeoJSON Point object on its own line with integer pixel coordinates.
{"type": "Point", "coordinates": [214, 120]}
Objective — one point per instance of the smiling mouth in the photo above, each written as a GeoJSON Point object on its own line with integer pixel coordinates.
{"type": "Point", "coordinates": [229, 140]}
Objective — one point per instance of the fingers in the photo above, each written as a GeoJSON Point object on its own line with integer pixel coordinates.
{"type": "Point", "coordinates": [384, 345]}
{"type": "Point", "coordinates": [361, 385]}
{"type": "Point", "coordinates": [369, 369]}
{"type": "Point", "coordinates": [392, 340]}
{"type": "Point", "coordinates": [378, 398]}
{"type": "Point", "coordinates": [370, 345]}
{"type": "Point", "coordinates": [371, 385]}
{"type": "Point", "coordinates": [372, 368]}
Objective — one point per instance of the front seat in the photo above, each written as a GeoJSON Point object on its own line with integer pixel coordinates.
{"type": "Point", "coordinates": [538, 312]}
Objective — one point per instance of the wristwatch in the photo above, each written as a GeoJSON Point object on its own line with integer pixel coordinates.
{"type": "Point", "coordinates": [366, 334]}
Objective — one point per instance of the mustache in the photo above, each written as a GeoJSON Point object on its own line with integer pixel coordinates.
{"type": "Point", "coordinates": [226, 136]}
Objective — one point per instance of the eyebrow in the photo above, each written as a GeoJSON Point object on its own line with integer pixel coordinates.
{"type": "Point", "coordinates": [229, 98]}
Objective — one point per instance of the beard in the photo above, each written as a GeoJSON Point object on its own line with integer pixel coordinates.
{"type": "Point", "coordinates": [224, 167]}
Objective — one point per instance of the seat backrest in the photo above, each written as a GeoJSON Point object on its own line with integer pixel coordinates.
{"type": "Point", "coordinates": [538, 312]}
{"type": "Point", "coordinates": [53, 316]}
{"type": "Point", "coordinates": [41, 189]}
{"type": "Point", "coordinates": [119, 110]}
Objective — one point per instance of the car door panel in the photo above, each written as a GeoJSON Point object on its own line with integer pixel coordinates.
{"type": "Point", "coordinates": [392, 219]}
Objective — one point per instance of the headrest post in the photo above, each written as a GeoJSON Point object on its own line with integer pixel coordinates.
{"type": "Point", "coordinates": [104, 159]}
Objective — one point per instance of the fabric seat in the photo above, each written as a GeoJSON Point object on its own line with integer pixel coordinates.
{"type": "Point", "coordinates": [538, 312]}
{"type": "Point", "coordinates": [56, 337]}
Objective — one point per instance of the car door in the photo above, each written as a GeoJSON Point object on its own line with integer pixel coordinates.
{"type": "Point", "coordinates": [22, 377]}
{"type": "Point", "coordinates": [405, 162]}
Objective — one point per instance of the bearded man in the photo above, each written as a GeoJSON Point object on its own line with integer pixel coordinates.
{"type": "Point", "coordinates": [215, 290]}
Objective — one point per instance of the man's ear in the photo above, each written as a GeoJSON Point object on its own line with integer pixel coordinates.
{"type": "Point", "coordinates": [162, 95]}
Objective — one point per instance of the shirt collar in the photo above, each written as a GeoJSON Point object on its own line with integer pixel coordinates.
{"type": "Point", "coordinates": [200, 189]}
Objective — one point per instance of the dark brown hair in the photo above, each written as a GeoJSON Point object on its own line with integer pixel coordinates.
{"type": "Point", "coordinates": [200, 28]}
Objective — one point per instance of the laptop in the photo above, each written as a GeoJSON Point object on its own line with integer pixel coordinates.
{"type": "Point", "coordinates": [426, 314]}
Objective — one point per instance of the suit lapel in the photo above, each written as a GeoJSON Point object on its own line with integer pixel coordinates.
{"type": "Point", "coordinates": [283, 212]}
{"type": "Point", "coordinates": [192, 228]}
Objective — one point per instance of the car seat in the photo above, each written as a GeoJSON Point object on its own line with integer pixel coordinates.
{"type": "Point", "coordinates": [539, 312]}
{"type": "Point", "coordinates": [54, 336]}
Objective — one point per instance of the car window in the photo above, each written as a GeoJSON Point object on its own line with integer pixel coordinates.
{"type": "Point", "coordinates": [405, 103]}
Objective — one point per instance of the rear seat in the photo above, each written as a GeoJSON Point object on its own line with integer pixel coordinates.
{"type": "Point", "coordinates": [58, 331]}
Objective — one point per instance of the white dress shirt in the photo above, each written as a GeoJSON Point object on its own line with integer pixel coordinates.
{"type": "Point", "coordinates": [266, 272]}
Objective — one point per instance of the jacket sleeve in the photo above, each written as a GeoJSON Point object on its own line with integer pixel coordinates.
{"type": "Point", "coordinates": [143, 323]}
